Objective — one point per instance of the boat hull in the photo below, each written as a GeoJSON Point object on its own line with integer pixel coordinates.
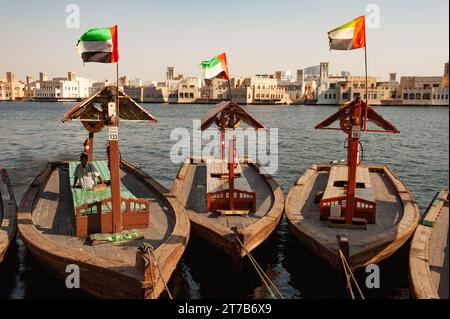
{"type": "Point", "coordinates": [223, 238]}
{"type": "Point", "coordinates": [428, 257]}
{"type": "Point", "coordinates": [100, 276]}
{"type": "Point", "coordinates": [376, 248]}
{"type": "Point", "coordinates": [8, 213]}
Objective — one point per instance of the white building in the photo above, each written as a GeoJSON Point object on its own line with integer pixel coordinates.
{"type": "Point", "coordinates": [63, 89]}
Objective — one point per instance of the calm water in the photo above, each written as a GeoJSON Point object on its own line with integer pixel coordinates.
{"type": "Point", "coordinates": [32, 134]}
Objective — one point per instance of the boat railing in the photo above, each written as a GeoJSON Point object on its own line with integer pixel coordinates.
{"type": "Point", "coordinates": [96, 217]}
{"type": "Point", "coordinates": [243, 200]}
{"type": "Point", "coordinates": [364, 208]}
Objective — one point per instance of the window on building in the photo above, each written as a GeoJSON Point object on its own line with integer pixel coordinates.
{"type": "Point", "coordinates": [345, 96]}
{"type": "Point", "coordinates": [426, 96]}
{"type": "Point", "coordinates": [412, 96]}
{"type": "Point", "coordinates": [418, 96]}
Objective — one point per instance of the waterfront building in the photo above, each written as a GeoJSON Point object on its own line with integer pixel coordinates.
{"type": "Point", "coordinates": [328, 89]}
{"type": "Point", "coordinates": [355, 86]}
{"type": "Point", "coordinates": [423, 90]}
{"type": "Point", "coordinates": [70, 88]}
{"type": "Point", "coordinates": [10, 88]}
{"type": "Point", "coordinates": [189, 90]}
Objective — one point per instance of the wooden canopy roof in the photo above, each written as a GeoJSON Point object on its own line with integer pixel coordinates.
{"type": "Point", "coordinates": [372, 116]}
{"type": "Point", "coordinates": [209, 118]}
{"type": "Point", "coordinates": [95, 107]}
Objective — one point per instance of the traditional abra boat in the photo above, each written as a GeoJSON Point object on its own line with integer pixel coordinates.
{"type": "Point", "coordinates": [428, 257]}
{"type": "Point", "coordinates": [363, 211]}
{"type": "Point", "coordinates": [233, 205]}
{"type": "Point", "coordinates": [8, 210]}
{"type": "Point", "coordinates": [127, 237]}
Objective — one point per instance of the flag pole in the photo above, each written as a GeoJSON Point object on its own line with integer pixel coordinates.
{"type": "Point", "coordinates": [367, 86]}
{"type": "Point", "coordinates": [229, 88]}
{"type": "Point", "coordinates": [114, 164]}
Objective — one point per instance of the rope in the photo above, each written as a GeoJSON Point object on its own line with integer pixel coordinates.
{"type": "Point", "coordinates": [349, 274]}
{"type": "Point", "coordinates": [149, 249]}
{"type": "Point", "coordinates": [266, 280]}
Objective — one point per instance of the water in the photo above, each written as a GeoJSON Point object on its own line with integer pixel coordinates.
{"type": "Point", "coordinates": [31, 134]}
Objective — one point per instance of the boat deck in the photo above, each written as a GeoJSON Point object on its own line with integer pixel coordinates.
{"type": "Point", "coordinates": [438, 253]}
{"type": "Point", "coordinates": [54, 217]}
{"type": "Point", "coordinates": [389, 212]}
{"type": "Point", "coordinates": [193, 194]}
{"type": "Point", "coordinates": [339, 174]}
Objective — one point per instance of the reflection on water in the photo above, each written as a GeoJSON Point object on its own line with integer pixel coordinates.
{"type": "Point", "coordinates": [31, 134]}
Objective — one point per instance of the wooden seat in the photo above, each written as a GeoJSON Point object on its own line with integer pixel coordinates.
{"type": "Point", "coordinates": [336, 193]}
{"type": "Point", "coordinates": [93, 207]}
{"type": "Point", "coordinates": [217, 184]}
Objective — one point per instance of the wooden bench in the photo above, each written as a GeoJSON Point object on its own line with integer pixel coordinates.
{"type": "Point", "coordinates": [93, 207]}
{"type": "Point", "coordinates": [217, 183]}
{"type": "Point", "coordinates": [336, 193]}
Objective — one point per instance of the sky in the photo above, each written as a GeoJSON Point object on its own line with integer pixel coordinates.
{"type": "Point", "coordinates": [259, 36]}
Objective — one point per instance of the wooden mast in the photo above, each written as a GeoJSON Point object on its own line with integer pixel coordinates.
{"type": "Point", "coordinates": [91, 147]}
{"type": "Point", "coordinates": [231, 172]}
{"type": "Point", "coordinates": [352, 161]}
{"type": "Point", "coordinates": [114, 162]}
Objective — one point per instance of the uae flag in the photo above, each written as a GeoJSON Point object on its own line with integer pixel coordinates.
{"type": "Point", "coordinates": [350, 36]}
{"type": "Point", "coordinates": [217, 67]}
{"type": "Point", "coordinates": [99, 45]}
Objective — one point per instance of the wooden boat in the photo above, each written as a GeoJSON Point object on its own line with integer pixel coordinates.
{"type": "Point", "coordinates": [60, 231]}
{"type": "Point", "coordinates": [362, 210]}
{"type": "Point", "coordinates": [8, 210]}
{"type": "Point", "coordinates": [428, 257]}
{"type": "Point", "coordinates": [204, 186]}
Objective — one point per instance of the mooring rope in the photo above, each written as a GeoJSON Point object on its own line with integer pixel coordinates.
{"type": "Point", "coordinates": [266, 280]}
{"type": "Point", "coordinates": [149, 248]}
{"type": "Point", "coordinates": [349, 275]}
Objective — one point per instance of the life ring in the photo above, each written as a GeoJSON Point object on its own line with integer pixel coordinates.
{"type": "Point", "coordinates": [93, 127]}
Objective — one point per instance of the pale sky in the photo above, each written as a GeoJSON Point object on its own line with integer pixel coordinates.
{"type": "Point", "coordinates": [259, 36]}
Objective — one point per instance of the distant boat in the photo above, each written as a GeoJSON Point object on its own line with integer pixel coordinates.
{"type": "Point", "coordinates": [236, 223]}
{"type": "Point", "coordinates": [8, 210]}
{"type": "Point", "coordinates": [361, 210]}
{"type": "Point", "coordinates": [61, 225]}
{"type": "Point", "coordinates": [428, 256]}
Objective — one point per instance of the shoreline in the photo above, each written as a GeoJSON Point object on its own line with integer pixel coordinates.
{"type": "Point", "coordinates": [215, 102]}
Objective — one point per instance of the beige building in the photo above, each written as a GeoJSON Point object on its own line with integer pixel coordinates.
{"type": "Point", "coordinates": [10, 88]}
{"type": "Point", "coordinates": [189, 90]}
{"type": "Point", "coordinates": [423, 90]}
{"type": "Point", "coordinates": [355, 86]}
